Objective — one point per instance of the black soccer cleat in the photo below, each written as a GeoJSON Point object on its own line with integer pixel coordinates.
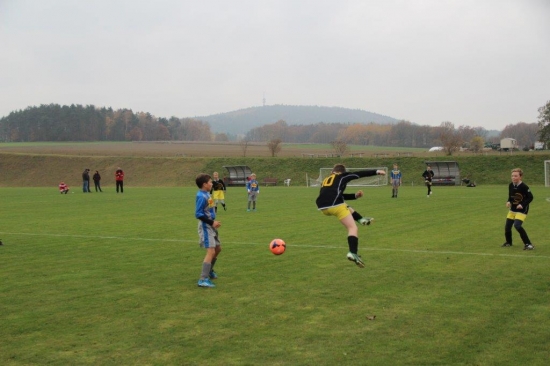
{"type": "Point", "coordinates": [506, 245]}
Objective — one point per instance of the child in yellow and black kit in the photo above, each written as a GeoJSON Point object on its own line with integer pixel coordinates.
{"type": "Point", "coordinates": [331, 202]}
{"type": "Point", "coordinates": [218, 191]}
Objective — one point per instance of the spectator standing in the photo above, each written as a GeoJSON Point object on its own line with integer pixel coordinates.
{"type": "Point", "coordinates": [97, 179]}
{"type": "Point", "coordinates": [119, 179]}
{"type": "Point", "coordinates": [86, 181]}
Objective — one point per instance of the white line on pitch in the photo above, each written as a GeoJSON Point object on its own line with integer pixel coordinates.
{"type": "Point", "coordinates": [294, 245]}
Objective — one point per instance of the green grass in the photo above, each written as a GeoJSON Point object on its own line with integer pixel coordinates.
{"type": "Point", "coordinates": [93, 279]}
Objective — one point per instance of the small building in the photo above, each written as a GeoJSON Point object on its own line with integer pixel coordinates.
{"type": "Point", "coordinates": [508, 144]}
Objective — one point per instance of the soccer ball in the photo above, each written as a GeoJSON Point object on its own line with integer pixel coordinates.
{"type": "Point", "coordinates": [277, 246]}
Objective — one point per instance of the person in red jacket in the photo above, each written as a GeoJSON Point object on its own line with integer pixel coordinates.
{"type": "Point", "coordinates": [63, 188]}
{"type": "Point", "coordinates": [119, 178]}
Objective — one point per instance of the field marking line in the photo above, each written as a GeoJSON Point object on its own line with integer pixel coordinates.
{"type": "Point", "coordinates": [294, 245]}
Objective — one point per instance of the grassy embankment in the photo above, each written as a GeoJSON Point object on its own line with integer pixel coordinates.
{"type": "Point", "coordinates": [39, 170]}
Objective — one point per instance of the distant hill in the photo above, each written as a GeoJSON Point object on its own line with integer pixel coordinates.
{"type": "Point", "coordinates": [243, 120]}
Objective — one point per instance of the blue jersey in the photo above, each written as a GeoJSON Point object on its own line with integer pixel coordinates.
{"type": "Point", "coordinates": [395, 174]}
{"type": "Point", "coordinates": [253, 185]}
{"type": "Point", "coordinates": [204, 206]}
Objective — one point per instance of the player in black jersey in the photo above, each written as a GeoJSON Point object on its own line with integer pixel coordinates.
{"type": "Point", "coordinates": [519, 197]}
{"type": "Point", "coordinates": [218, 191]}
{"type": "Point", "coordinates": [331, 202]}
{"type": "Point", "coordinates": [428, 175]}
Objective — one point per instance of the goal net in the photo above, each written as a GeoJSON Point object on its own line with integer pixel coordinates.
{"type": "Point", "coordinates": [373, 181]}
{"type": "Point", "coordinates": [547, 173]}
{"type": "Point", "coordinates": [312, 182]}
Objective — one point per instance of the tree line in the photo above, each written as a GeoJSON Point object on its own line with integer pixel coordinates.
{"type": "Point", "coordinates": [53, 122]}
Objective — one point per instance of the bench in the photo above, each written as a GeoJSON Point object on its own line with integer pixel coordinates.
{"type": "Point", "coordinates": [444, 181]}
{"type": "Point", "coordinates": [270, 181]}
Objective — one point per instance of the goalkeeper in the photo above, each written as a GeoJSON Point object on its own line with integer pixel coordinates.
{"type": "Point", "coordinates": [331, 202]}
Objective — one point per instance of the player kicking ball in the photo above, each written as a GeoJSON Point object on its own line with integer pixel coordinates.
{"type": "Point", "coordinates": [332, 202]}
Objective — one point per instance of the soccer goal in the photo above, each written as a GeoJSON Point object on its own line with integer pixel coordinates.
{"type": "Point", "coordinates": [312, 182]}
{"type": "Point", "coordinates": [373, 181]}
{"type": "Point", "coordinates": [547, 173]}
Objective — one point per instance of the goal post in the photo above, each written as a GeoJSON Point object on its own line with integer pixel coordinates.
{"type": "Point", "coordinates": [312, 182]}
{"type": "Point", "coordinates": [372, 181]}
{"type": "Point", "coordinates": [547, 173]}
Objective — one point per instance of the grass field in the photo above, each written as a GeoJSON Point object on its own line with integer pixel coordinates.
{"type": "Point", "coordinates": [97, 279]}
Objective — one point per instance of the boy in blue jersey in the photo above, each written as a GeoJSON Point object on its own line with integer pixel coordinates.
{"type": "Point", "coordinates": [253, 189]}
{"type": "Point", "coordinates": [331, 202]}
{"type": "Point", "coordinates": [208, 229]}
{"type": "Point", "coordinates": [395, 177]}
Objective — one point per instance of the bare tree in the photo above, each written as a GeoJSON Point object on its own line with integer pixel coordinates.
{"type": "Point", "coordinates": [274, 146]}
{"type": "Point", "coordinates": [244, 143]}
{"type": "Point", "coordinates": [340, 146]}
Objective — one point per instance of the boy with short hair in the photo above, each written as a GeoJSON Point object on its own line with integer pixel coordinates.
{"type": "Point", "coordinates": [519, 198]}
{"type": "Point", "coordinates": [253, 189]}
{"type": "Point", "coordinates": [207, 228]}
{"type": "Point", "coordinates": [395, 177]}
{"type": "Point", "coordinates": [331, 202]}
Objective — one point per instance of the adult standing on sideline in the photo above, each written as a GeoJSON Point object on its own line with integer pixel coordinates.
{"type": "Point", "coordinates": [119, 178]}
{"type": "Point", "coordinates": [96, 179]}
{"type": "Point", "coordinates": [428, 175]}
{"type": "Point", "coordinates": [395, 177]}
{"type": "Point", "coordinates": [86, 181]}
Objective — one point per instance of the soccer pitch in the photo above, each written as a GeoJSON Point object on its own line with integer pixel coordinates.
{"type": "Point", "coordinates": [106, 278]}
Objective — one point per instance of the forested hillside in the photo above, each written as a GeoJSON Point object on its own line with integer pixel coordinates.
{"type": "Point", "coordinates": [53, 122]}
{"type": "Point", "coordinates": [243, 120]}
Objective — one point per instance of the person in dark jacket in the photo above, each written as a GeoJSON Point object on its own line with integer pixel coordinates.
{"type": "Point", "coordinates": [86, 181]}
{"type": "Point", "coordinates": [428, 175]}
{"type": "Point", "coordinates": [97, 179]}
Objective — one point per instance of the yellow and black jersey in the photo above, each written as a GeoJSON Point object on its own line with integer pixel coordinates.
{"type": "Point", "coordinates": [520, 194]}
{"type": "Point", "coordinates": [332, 188]}
{"type": "Point", "coordinates": [217, 185]}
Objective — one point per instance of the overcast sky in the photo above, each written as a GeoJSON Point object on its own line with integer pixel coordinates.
{"type": "Point", "coordinates": [472, 62]}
